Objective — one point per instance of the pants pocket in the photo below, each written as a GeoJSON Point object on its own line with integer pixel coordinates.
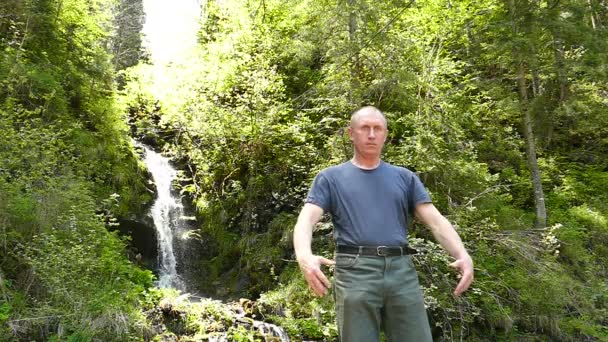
{"type": "Point", "coordinates": [346, 260]}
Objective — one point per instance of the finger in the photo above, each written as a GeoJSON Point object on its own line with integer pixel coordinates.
{"type": "Point", "coordinates": [321, 282]}
{"type": "Point", "coordinates": [315, 289]}
{"type": "Point", "coordinates": [464, 283]}
{"type": "Point", "coordinates": [320, 290]}
{"type": "Point", "coordinates": [326, 261]}
{"type": "Point", "coordinates": [321, 276]}
{"type": "Point", "coordinates": [316, 285]}
{"type": "Point", "coordinates": [456, 264]}
{"type": "Point", "coordinates": [317, 281]}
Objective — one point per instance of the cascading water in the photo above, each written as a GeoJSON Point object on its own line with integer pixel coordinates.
{"type": "Point", "coordinates": [171, 29]}
{"type": "Point", "coordinates": [167, 213]}
{"type": "Point", "coordinates": [170, 36]}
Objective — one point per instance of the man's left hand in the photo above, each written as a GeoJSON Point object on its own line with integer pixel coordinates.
{"type": "Point", "coordinates": [464, 266]}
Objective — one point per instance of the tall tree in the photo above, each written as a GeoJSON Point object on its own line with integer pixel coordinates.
{"type": "Point", "coordinates": [524, 55]}
{"type": "Point", "coordinates": [353, 62]}
{"type": "Point", "coordinates": [127, 46]}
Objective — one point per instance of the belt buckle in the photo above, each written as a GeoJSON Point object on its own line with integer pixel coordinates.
{"type": "Point", "coordinates": [382, 251]}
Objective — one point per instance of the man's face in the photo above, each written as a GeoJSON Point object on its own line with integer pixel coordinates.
{"type": "Point", "coordinates": [368, 134]}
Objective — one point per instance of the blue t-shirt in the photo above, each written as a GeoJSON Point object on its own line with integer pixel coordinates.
{"type": "Point", "coordinates": [368, 207]}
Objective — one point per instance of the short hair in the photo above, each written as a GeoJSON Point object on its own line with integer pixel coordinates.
{"type": "Point", "coordinates": [367, 110]}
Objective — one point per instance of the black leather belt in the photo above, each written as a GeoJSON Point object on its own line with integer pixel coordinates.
{"type": "Point", "coordinates": [376, 250]}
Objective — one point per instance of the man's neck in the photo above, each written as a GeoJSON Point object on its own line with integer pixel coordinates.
{"type": "Point", "coordinates": [366, 163]}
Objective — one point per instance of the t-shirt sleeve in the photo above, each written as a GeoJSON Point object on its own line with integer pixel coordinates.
{"type": "Point", "coordinates": [319, 193]}
{"type": "Point", "coordinates": [419, 193]}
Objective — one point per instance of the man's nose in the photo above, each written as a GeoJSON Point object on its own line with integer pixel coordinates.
{"type": "Point", "coordinates": [371, 134]}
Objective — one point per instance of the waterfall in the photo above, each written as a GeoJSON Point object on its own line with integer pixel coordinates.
{"type": "Point", "coordinates": [169, 221]}
{"type": "Point", "coordinates": [170, 34]}
{"type": "Point", "coordinates": [167, 213]}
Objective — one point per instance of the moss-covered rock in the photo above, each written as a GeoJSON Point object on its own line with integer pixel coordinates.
{"type": "Point", "coordinates": [180, 317]}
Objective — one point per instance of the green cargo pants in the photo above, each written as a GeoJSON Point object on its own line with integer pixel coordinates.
{"type": "Point", "coordinates": [376, 292]}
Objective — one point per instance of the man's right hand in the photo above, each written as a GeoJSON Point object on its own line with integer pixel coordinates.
{"type": "Point", "coordinates": [311, 268]}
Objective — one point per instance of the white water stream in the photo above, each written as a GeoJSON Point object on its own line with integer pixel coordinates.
{"type": "Point", "coordinates": [170, 31]}
{"type": "Point", "coordinates": [170, 35]}
{"type": "Point", "coordinates": [167, 213]}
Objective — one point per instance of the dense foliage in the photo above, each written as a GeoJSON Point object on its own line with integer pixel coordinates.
{"type": "Point", "coordinates": [500, 106]}
{"type": "Point", "coordinates": [68, 170]}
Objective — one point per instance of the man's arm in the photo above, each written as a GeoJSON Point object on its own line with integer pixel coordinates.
{"type": "Point", "coordinates": [448, 238]}
{"type": "Point", "coordinates": [302, 238]}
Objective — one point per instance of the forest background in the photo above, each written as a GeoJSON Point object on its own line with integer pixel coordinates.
{"type": "Point", "coordinates": [499, 106]}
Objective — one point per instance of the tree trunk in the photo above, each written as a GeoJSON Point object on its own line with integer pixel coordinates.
{"type": "Point", "coordinates": [522, 11]}
{"type": "Point", "coordinates": [354, 54]}
{"type": "Point", "coordinates": [592, 14]}
{"type": "Point", "coordinates": [539, 198]}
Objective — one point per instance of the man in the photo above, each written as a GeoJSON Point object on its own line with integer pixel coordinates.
{"type": "Point", "coordinates": [376, 286]}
